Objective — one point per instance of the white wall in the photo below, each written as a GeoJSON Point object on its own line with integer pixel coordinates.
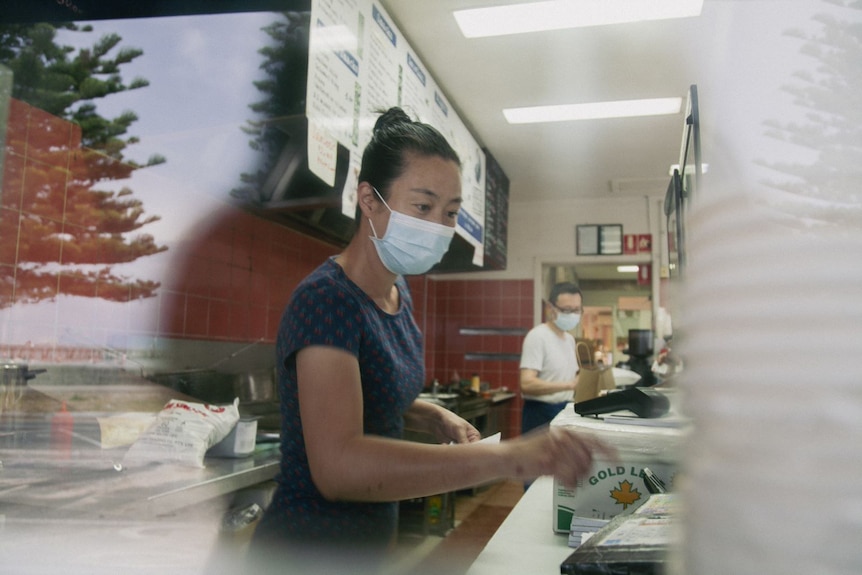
{"type": "Point", "coordinates": [544, 231]}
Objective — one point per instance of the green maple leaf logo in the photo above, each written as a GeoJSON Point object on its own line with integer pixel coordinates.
{"type": "Point", "coordinates": [624, 494]}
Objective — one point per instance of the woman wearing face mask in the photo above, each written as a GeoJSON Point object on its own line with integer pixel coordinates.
{"type": "Point", "coordinates": [350, 368]}
{"type": "Point", "coordinates": [549, 366]}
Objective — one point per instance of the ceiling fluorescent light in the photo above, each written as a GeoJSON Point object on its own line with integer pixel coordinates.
{"type": "Point", "coordinates": [561, 14]}
{"type": "Point", "coordinates": [628, 269]}
{"type": "Point", "coordinates": [569, 112]}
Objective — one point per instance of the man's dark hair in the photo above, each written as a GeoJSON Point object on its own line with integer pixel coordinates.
{"type": "Point", "coordinates": [561, 288]}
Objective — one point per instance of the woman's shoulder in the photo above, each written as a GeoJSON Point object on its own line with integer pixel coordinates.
{"type": "Point", "coordinates": [326, 285]}
{"type": "Point", "coordinates": [323, 278]}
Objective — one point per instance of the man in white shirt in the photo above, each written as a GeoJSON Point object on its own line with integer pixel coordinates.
{"type": "Point", "coordinates": [549, 367]}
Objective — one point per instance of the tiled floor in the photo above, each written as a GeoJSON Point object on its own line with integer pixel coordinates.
{"type": "Point", "coordinates": [477, 517]}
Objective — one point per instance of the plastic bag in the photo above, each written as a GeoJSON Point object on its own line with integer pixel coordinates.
{"type": "Point", "coordinates": [182, 433]}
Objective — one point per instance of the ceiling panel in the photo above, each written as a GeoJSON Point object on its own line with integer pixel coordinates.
{"type": "Point", "coordinates": [561, 160]}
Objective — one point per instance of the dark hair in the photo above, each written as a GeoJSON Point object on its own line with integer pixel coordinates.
{"type": "Point", "coordinates": [395, 135]}
{"type": "Point", "coordinates": [561, 288]}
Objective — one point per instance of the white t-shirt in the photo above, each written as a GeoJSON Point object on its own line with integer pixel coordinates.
{"type": "Point", "coordinates": [553, 357]}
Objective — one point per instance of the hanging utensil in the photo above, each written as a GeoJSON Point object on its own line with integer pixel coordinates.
{"type": "Point", "coordinates": [13, 382]}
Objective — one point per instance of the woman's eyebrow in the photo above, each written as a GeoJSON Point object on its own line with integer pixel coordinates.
{"type": "Point", "coordinates": [425, 191]}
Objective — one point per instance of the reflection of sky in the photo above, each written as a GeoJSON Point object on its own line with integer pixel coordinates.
{"type": "Point", "coordinates": [201, 71]}
{"type": "Point", "coordinates": [751, 60]}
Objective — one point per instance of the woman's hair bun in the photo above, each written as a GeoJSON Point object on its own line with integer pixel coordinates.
{"type": "Point", "coordinates": [391, 117]}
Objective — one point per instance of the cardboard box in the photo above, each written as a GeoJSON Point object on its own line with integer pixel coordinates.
{"type": "Point", "coordinates": [612, 489]}
{"type": "Point", "coordinates": [617, 487]}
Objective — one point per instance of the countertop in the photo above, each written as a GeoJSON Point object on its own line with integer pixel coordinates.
{"type": "Point", "coordinates": [501, 396]}
{"type": "Point", "coordinates": [76, 510]}
{"type": "Point", "coordinates": [80, 478]}
{"type": "Point", "coordinates": [526, 542]}
{"type": "Point", "coordinates": [71, 506]}
{"type": "Point", "coordinates": [88, 481]}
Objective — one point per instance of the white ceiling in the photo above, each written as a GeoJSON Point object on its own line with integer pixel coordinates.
{"type": "Point", "coordinates": [596, 158]}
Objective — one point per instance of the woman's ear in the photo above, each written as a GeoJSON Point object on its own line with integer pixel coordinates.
{"type": "Point", "coordinates": [366, 199]}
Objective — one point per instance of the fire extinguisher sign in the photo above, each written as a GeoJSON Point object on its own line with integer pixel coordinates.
{"type": "Point", "coordinates": [644, 274]}
{"type": "Point", "coordinates": [637, 243]}
{"type": "Point", "coordinates": [644, 243]}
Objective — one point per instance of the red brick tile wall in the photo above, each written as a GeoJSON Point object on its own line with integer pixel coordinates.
{"type": "Point", "coordinates": [237, 276]}
{"type": "Point", "coordinates": [479, 303]}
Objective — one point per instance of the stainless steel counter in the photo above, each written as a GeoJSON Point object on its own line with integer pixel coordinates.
{"type": "Point", "coordinates": [501, 396]}
{"type": "Point", "coordinates": [67, 505]}
{"type": "Point", "coordinates": [38, 479]}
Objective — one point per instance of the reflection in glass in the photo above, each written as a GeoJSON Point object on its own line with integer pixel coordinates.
{"type": "Point", "coordinates": [64, 228]}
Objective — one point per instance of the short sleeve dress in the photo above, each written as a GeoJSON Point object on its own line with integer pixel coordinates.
{"type": "Point", "coordinates": [328, 309]}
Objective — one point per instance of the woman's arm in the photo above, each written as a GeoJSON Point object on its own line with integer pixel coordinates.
{"type": "Point", "coordinates": [532, 385]}
{"type": "Point", "coordinates": [348, 465]}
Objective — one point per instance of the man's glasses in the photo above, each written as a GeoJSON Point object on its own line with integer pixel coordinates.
{"type": "Point", "coordinates": [565, 310]}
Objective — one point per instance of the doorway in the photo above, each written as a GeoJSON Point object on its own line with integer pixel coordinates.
{"type": "Point", "coordinates": [614, 303]}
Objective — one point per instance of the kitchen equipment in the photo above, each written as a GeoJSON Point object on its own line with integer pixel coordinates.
{"type": "Point", "coordinates": [240, 442]}
{"type": "Point", "coordinates": [256, 386]}
{"type": "Point", "coordinates": [219, 386]}
{"type": "Point", "coordinates": [236, 353]}
{"type": "Point", "coordinates": [13, 382]}
{"type": "Point", "coordinates": [206, 385]}
{"type": "Point", "coordinates": [640, 351]}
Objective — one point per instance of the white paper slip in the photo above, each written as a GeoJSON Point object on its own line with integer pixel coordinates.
{"type": "Point", "coordinates": [584, 526]}
{"type": "Point", "coordinates": [491, 438]}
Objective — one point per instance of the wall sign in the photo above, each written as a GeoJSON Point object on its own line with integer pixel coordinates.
{"type": "Point", "coordinates": [599, 240]}
{"type": "Point", "coordinates": [637, 244]}
{"type": "Point", "coordinates": [644, 243]}
{"type": "Point", "coordinates": [644, 274]}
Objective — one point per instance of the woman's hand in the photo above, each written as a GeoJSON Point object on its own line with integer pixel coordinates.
{"type": "Point", "coordinates": [444, 425]}
{"type": "Point", "coordinates": [452, 428]}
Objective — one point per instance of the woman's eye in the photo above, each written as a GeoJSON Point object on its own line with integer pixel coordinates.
{"type": "Point", "coordinates": [423, 208]}
{"type": "Point", "coordinates": [453, 215]}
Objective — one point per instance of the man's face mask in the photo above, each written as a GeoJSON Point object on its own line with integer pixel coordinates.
{"type": "Point", "coordinates": [410, 245]}
{"type": "Point", "coordinates": [567, 321]}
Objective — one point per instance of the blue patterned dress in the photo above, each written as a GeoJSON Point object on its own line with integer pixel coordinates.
{"type": "Point", "coordinates": [328, 309]}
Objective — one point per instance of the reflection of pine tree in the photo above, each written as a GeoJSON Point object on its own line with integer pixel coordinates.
{"type": "Point", "coordinates": [64, 218]}
{"type": "Point", "coordinates": [286, 66]}
{"type": "Point", "coordinates": [833, 126]}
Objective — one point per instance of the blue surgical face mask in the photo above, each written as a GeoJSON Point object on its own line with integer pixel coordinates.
{"type": "Point", "coordinates": [567, 321]}
{"type": "Point", "coordinates": [410, 245]}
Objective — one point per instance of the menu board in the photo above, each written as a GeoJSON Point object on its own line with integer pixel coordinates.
{"type": "Point", "coordinates": [496, 214]}
{"type": "Point", "coordinates": [360, 64]}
